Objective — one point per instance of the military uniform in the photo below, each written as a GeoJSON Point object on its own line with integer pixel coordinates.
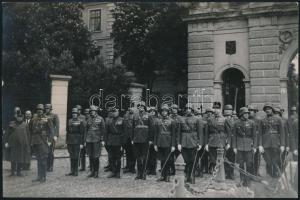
{"type": "Point", "coordinates": [83, 150]}
{"type": "Point", "coordinates": [126, 143]}
{"type": "Point", "coordinates": [113, 139]}
{"type": "Point", "coordinates": [74, 138]}
{"type": "Point", "coordinates": [140, 137]}
{"type": "Point", "coordinates": [244, 141]}
{"type": "Point", "coordinates": [151, 163]}
{"type": "Point", "coordinates": [55, 121]}
{"type": "Point", "coordinates": [271, 137]}
{"type": "Point", "coordinates": [42, 132]}
{"type": "Point", "coordinates": [190, 137]}
{"type": "Point", "coordinates": [19, 145]}
{"type": "Point", "coordinates": [164, 139]}
{"type": "Point", "coordinates": [95, 129]}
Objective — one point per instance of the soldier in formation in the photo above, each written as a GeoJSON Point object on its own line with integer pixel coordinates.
{"type": "Point", "coordinates": [75, 140]}
{"type": "Point", "coordinates": [82, 118]}
{"type": "Point", "coordinates": [55, 121]}
{"type": "Point", "coordinates": [42, 133]}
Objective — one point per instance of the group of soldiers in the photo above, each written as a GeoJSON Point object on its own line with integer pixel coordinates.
{"type": "Point", "coordinates": [148, 134]}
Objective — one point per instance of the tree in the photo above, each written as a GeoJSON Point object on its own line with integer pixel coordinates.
{"type": "Point", "coordinates": [151, 37]}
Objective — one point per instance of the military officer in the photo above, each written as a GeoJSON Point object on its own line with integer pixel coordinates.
{"type": "Point", "coordinates": [244, 144]}
{"type": "Point", "coordinates": [292, 128]}
{"type": "Point", "coordinates": [55, 122]}
{"type": "Point", "coordinates": [128, 129]}
{"type": "Point", "coordinates": [271, 140]}
{"type": "Point", "coordinates": [87, 117]}
{"type": "Point", "coordinates": [216, 136]}
{"type": "Point", "coordinates": [42, 133]}
{"type": "Point", "coordinates": [95, 129]}
{"type": "Point", "coordinates": [229, 122]}
{"type": "Point", "coordinates": [140, 139]}
{"type": "Point", "coordinates": [28, 117]}
{"type": "Point", "coordinates": [18, 141]}
{"type": "Point", "coordinates": [151, 163]}
{"type": "Point", "coordinates": [177, 118]}
{"type": "Point", "coordinates": [190, 141]}
{"type": "Point", "coordinates": [234, 116]}
{"type": "Point", "coordinates": [164, 142]}
{"type": "Point", "coordinates": [75, 140]}
{"type": "Point", "coordinates": [82, 150]}
{"type": "Point", "coordinates": [108, 167]}
{"type": "Point", "coordinates": [252, 116]}
{"type": "Point", "coordinates": [113, 138]}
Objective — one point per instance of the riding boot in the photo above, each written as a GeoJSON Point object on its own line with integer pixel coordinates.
{"type": "Point", "coordinates": [96, 175]}
{"type": "Point", "coordinates": [13, 166]}
{"type": "Point", "coordinates": [19, 166]}
{"type": "Point", "coordinates": [75, 170]}
{"type": "Point", "coordinates": [92, 168]}
{"type": "Point", "coordinates": [71, 164]}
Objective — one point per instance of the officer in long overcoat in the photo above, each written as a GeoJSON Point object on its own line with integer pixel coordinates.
{"type": "Point", "coordinates": [75, 140]}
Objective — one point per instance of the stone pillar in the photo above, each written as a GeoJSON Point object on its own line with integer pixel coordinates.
{"type": "Point", "coordinates": [59, 101]}
{"type": "Point", "coordinates": [218, 93]}
{"type": "Point", "coordinates": [284, 96]}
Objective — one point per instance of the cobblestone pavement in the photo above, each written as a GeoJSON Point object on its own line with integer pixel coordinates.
{"type": "Point", "coordinates": [59, 185]}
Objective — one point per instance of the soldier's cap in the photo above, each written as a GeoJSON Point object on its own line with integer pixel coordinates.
{"type": "Point", "coordinates": [75, 110]}
{"type": "Point", "coordinates": [188, 105]}
{"type": "Point", "coordinates": [268, 105]}
{"type": "Point", "coordinates": [48, 106]}
{"type": "Point", "coordinates": [228, 107]}
{"type": "Point", "coordinates": [78, 107]}
{"type": "Point", "coordinates": [293, 108]}
{"type": "Point", "coordinates": [277, 110]}
{"type": "Point", "coordinates": [112, 109]}
{"type": "Point", "coordinates": [165, 107]}
{"type": "Point", "coordinates": [93, 108]}
{"type": "Point", "coordinates": [209, 110]}
{"type": "Point", "coordinates": [243, 110]}
{"type": "Point", "coordinates": [40, 107]}
{"type": "Point", "coordinates": [250, 107]}
{"type": "Point", "coordinates": [174, 106]}
{"type": "Point", "coordinates": [217, 105]}
{"type": "Point", "coordinates": [227, 113]}
{"type": "Point", "coordinates": [86, 110]}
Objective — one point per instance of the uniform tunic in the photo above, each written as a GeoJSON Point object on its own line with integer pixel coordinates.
{"type": "Point", "coordinates": [75, 137]}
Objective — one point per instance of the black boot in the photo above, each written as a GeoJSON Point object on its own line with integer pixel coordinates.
{"type": "Point", "coordinates": [75, 169]}
{"type": "Point", "coordinates": [139, 169]}
{"type": "Point", "coordinates": [43, 172]}
{"type": "Point", "coordinates": [19, 166]}
{"type": "Point", "coordinates": [71, 166]}
{"type": "Point", "coordinates": [39, 168]}
{"type": "Point", "coordinates": [13, 166]}
{"type": "Point", "coordinates": [82, 160]}
{"type": "Point", "coordinates": [92, 173]}
{"type": "Point", "coordinates": [96, 175]}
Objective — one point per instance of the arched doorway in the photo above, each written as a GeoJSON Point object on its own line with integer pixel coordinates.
{"type": "Point", "coordinates": [233, 88]}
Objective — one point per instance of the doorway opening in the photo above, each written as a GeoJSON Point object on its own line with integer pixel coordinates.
{"type": "Point", "coordinates": [233, 88]}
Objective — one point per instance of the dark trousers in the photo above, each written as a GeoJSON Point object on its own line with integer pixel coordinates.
{"type": "Point", "coordinates": [116, 154]}
{"type": "Point", "coordinates": [151, 163]}
{"type": "Point", "coordinates": [175, 154]}
{"type": "Point", "coordinates": [15, 167]}
{"type": "Point", "coordinates": [82, 158]}
{"type": "Point", "coordinates": [130, 157]}
{"type": "Point", "coordinates": [273, 163]}
{"type": "Point", "coordinates": [140, 150]}
{"type": "Point", "coordinates": [189, 156]}
{"type": "Point", "coordinates": [41, 153]}
{"type": "Point", "coordinates": [109, 155]}
{"type": "Point", "coordinates": [50, 159]}
{"type": "Point", "coordinates": [212, 151]}
{"type": "Point", "coordinates": [74, 165]}
{"type": "Point", "coordinates": [166, 161]}
{"type": "Point", "coordinates": [245, 157]}
{"type": "Point", "coordinates": [256, 162]}
{"type": "Point", "coordinates": [200, 163]}
{"type": "Point", "coordinates": [230, 155]}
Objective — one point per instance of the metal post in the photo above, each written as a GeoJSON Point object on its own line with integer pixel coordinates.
{"type": "Point", "coordinates": [220, 177]}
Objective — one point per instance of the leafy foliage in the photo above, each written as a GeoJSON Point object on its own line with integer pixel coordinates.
{"type": "Point", "coordinates": [151, 37]}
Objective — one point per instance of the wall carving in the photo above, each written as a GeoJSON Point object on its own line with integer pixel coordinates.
{"type": "Point", "coordinates": [285, 38]}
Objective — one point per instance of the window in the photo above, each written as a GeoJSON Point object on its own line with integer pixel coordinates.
{"type": "Point", "coordinates": [95, 20]}
{"type": "Point", "coordinates": [230, 47]}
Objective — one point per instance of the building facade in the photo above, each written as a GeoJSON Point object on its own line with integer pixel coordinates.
{"type": "Point", "coordinates": [239, 53]}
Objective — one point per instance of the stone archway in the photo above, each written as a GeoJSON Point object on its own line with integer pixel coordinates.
{"type": "Point", "coordinates": [218, 82]}
{"type": "Point", "coordinates": [287, 57]}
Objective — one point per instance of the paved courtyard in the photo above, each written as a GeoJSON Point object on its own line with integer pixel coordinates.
{"type": "Point", "coordinates": [59, 185]}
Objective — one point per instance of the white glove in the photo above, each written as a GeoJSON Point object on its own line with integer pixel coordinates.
{"type": "Point", "coordinates": [103, 143]}
{"type": "Point", "coordinates": [150, 142]}
{"type": "Point", "coordinates": [199, 147]}
{"type": "Point", "coordinates": [49, 144]}
{"type": "Point", "coordinates": [206, 147]}
{"type": "Point", "coordinates": [235, 150]}
{"type": "Point", "coordinates": [81, 146]}
{"type": "Point", "coordinates": [227, 146]}
{"type": "Point", "coordinates": [282, 148]}
{"type": "Point", "coordinates": [179, 147]}
{"type": "Point", "coordinates": [261, 149]}
{"type": "Point", "coordinates": [6, 145]}
{"type": "Point", "coordinates": [254, 150]}
{"type": "Point", "coordinates": [155, 148]}
{"type": "Point", "coordinates": [131, 142]}
{"type": "Point", "coordinates": [55, 138]}
{"type": "Point", "coordinates": [172, 149]}
{"type": "Point", "coordinates": [287, 148]}
{"type": "Point", "coordinates": [296, 152]}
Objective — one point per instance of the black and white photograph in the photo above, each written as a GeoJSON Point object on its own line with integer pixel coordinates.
{"type": "Point", "coordinates": [170, 99]}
